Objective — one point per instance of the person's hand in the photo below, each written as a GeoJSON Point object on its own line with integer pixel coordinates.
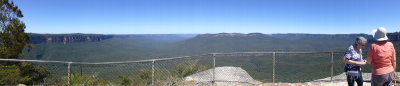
{"type": "Point", "coordinates": [363, 62]}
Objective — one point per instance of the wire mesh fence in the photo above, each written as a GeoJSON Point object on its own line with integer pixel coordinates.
{"type": "Point", "coordinates": [313, 66]}
{"type": "Point", "coordinates": [258, 66]}
{"type": "Point", "coordinates": [244, 68]}
{"type": "Point", "coordinates": [173, 72]}
{"type": "Point", "coordinates": [104, 74]}
{"type": "Point", "coordinates": [56, 73]}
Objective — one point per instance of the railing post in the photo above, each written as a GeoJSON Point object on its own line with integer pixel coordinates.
{"type": "Point", "coordinates": [80, 66]}
{"type": "Point", "coordinates": [152, 73]}
{"type": "Point", "coordinates": [331, 66]}
{"type": "Point", "coordinates": [69, 74]}
{"type": "Point", "coordinates": [273, 68]}
{"type": "Point", "coordinates": [213, 82]}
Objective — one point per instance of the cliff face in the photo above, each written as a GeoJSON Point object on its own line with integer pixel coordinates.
{"type": "Point", "coordinates": [66, 38]}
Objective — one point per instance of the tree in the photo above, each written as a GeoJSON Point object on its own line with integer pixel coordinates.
{"type": "Point", "coordinates": [13, 40]}
{"type": "Point", "coordinates": [12, 35]}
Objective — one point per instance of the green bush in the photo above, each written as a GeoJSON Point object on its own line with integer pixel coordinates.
{"type": "Point", "coordinates": [174, 76]}
{"type": "Point", "coordinates": [143, 78]}
{"type": "Point", "coordinates": [22, 73]}
{"type": "Point", "coordinates": [189, 68]}
{"type": "Point", "coordinates": [11, 75]}
{"type": "Point", "coordinates": [124, 81]}
{"type": "Point", "coordinates": [80, 80]}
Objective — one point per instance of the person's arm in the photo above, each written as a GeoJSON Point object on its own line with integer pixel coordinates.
{"type": "Point", "coordinates": [394, 64]}
{"type": "Point", "coordinates": [348, 61]}
{"type": "Point", "coordinates": [394, 61]}
{"type": "Point", "coordinates": [370, 54]}
{"type": "Point", "coordinates": [348, 55]}
{"type": "Point", "coordinates": [369, 60]}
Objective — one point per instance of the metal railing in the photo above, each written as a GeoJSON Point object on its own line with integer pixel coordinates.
{"type": "Point", "coordinates": [214, 56]}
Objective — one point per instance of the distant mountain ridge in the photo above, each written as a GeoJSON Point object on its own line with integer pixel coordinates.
{"type": "Point", "coordinates": [79, 37]}
{"type": "Point", "coordinates": [231, 35]}
{"type": "Point", "coordinates": [292, 36]}
{"type": "Point", "coordinates": [394, 37]}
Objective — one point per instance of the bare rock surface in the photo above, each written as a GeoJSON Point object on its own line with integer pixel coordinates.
{"type": "Point", "coordinates": [226, 75]}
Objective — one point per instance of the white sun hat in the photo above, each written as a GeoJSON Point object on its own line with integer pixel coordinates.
{"type": "Point", "coordinates": [380, 34]}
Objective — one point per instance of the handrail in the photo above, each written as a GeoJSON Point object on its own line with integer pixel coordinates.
{"type": "Point", "coordinates": [273, 52]}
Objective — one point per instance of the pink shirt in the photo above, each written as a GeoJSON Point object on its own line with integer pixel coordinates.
{"type": "Point", "coordinates": [381, 54]}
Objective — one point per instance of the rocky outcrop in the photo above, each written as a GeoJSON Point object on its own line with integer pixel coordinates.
{"type": "Point", "coordinates": [227, 75]}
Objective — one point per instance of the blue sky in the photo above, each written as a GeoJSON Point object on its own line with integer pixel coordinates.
{"type": "Point", "coordinates": [209, 16]}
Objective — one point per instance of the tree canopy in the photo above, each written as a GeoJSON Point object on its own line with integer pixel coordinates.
{"type": "Point", "coordinates": [13, 40]}
{"type": "Point", "coordinates": [12, 35]}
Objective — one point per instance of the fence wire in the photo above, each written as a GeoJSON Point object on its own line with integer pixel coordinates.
{"type": "Point", "coordinates": [312, 67]}
{"type": "Point", "coordinates": [240, 68]}
{"type": "Point", "coordinates": [57, 73]}
{"type": "Point", "coordinates": [244, 69]}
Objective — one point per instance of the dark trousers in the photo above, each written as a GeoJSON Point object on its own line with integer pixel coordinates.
{"type": "Point", "coordinates": [382, 80]}
{"type": "Point", "coordinates": [358, 79]}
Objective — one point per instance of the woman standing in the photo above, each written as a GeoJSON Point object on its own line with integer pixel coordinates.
{"type": "Point", "coordinates": [354, 59]}
{"type": "Point", "coordinates": [382, 55]}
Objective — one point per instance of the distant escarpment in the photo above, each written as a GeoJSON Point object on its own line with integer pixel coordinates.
{"type": "Point", "coordinates": [231, 35]}
{"type": "Point", "coordinates": [394, 37]}
{"type": "Point", "coordinates": [293, 36]}
{"type": "Point", "coordinates": [66, 38]}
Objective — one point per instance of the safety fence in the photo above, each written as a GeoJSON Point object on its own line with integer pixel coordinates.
{"type": "Point", "coordinates": [250, 68]}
